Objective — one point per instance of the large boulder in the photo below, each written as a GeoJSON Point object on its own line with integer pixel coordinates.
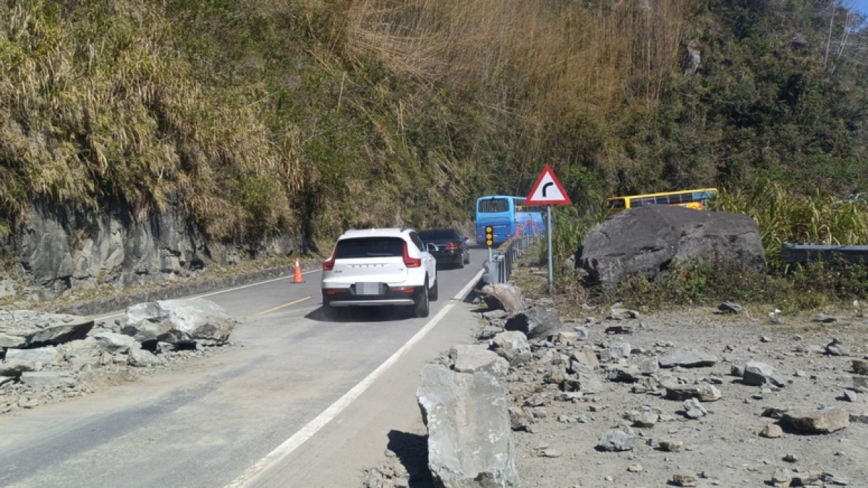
{"type": "Point", "coordinates": [27, 328]}
{"type": "Point", "coordinates": [535, 322]}
{"type": "Point", "coordinates": [194, 320]}
{"type": "Point", "coordinates": [470, 441]}
{"type": "Point", "coordinates": [644, 241]}
{"type": "Point", "coordinates": [503, 296]}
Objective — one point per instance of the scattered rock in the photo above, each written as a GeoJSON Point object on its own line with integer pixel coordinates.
{"type": "Point", "coordinates": [823, 318]}
{"type": "Point", "coordinates": [28, 329]}
{"type": "Point", "coordinates": [40, 355]}
{"type": "Point", "coordinates": [783, 477]}
{"type": "Point", "coordinates": [622, 314]}
{"type": "Point", "coordinates": [684, 479]}
{"type": "Point", "coordinates": [616, 440]}
{"type": "Point", "coordinates": [771, 431]}
{"type": "Point", "coordinates": [535, 322]}
{"type": "Point", "coordinates": [47, 379]}
{"type": "Point", "coordinates": [693, 409]}
{"type": "Point", "coordinates": [758, 374]}
{"type": "Point", "coordinates": [837, 348]}
{"type": "Point", "coordinates": [705, 393]}
{"type": "Point", "coordinates": [671, 446]}
{"type": "Point", "coordinates": [687, 358]}
{"type": "Point", "coordinates": [635, 468]}
{"type": "Point", "coordinates": [730, 307]}
{"type": "Point", "coordinates": [512, 346]}
{"type": "Point", "coordinates": [819, 422]}
{"type": "Point", "coordinates": [473, 358]}
{"type": "Point", "coordinates": [860, 366]}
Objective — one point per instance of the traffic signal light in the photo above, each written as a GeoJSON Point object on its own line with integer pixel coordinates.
{"type": "Point", "coordinates": [489, 235]}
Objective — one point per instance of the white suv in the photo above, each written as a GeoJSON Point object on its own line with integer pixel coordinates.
{"type": "Point", "coordinates": [374, 267]}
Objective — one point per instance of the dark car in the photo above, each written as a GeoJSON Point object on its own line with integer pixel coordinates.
{"type": "Point", "coordinates": [451, 246]}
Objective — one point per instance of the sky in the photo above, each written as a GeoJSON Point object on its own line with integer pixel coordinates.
{"type": "Point", "coordinates": [860, 5]}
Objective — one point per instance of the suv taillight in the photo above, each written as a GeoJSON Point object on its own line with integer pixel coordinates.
{"type": "Point", "coordinates": [329, 264]}
{"type": "Point", "coordinates": [410, 262]}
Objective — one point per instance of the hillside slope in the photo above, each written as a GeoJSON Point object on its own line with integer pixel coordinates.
{"type": "Point", "coordinates": [270, 117]}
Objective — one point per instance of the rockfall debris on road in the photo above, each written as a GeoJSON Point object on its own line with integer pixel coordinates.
{"type": "Point", "coordinates": [46, 358]}
{"type": "Point", "coordinates": [687, 397]}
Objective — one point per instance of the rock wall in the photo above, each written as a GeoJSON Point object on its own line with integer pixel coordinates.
{"type": "Point", "coordinates": [58, 250]}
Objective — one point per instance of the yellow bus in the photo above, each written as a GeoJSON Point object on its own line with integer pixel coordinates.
{"type": "Point", "coordinates": [695, 199]}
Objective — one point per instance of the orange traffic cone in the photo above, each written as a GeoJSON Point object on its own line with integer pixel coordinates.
{"type": "Point", "coordinates": [297, 278]}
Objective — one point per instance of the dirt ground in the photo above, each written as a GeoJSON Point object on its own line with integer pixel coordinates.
{"type": "Point", "coordinates": [723, 448]}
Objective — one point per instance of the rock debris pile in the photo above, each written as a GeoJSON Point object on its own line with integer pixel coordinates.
{"type": "Point", "coordinates": [696, 397]}
{"type": "Point", "coordinates": [46, 358]}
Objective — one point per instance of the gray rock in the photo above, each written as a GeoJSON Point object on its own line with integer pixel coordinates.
{"type": "Point", "coordinates": [142, 358]}
{"type": "Point", "coordinates": [684, 479]}
{"type": "Point", "coordinates": [823, 318]}
{"type": "Point", "coordinates": [622, 314]}
{"type": "Point", "coordinates": [687, 358]}
{"type": "Point", "coordinates": [469, 436]}
{"type": "Point", "coordinates": [473, 358]}
{"type": "Point", "coordinates": [670, 445]}
{"type": "Point", "coordinates": [646, 240]}
{"type": "Point", "coordinates": [16, 368]}
{"type": "Point", "coordinates": [648, 366]}
{"type": "Point", "coordinates": [782, 477]}
{"type": "Point", "coordinates": [693, 409]}
{"type": "Point", "coordinates": [704, 393]}
{"type": "Point", "coordinates": [588, 384]}
{"type": "Point", "coordinates": [193, 320]}
{"type": "Point", "coordinates": [758, 374]}
{"type": "Point", "coordinates": [771, 431]}
{"type": "Point", "coordinates": [730, 307]}
{"type": "Point", "coordinates": [535, 322]}
{"type": "Point", "coordinates": [503, 296]}
{"type": "Point", "coordinates": [837, 348]}
{"type": "Point", "coordinates": [41, 355]}
{"type": "Point", "coordinates": [512, 346]}
{"type": "Point", "coordinates": [615, 352]}
{"type": "Point", "coordinates": [27, 329]}
{"type": "Point", "coordinates": [860, 366]}
{"type": "Point", "coordinates": [113, 343]}
{"type": "Point", "coordinates": [615, 441]}
{"type": "Point", "coordinates": [818, 422]}
{"type": "Point", "coordinates": [624, 374]}
{"type": "Point", "coordinates": [585, 357]}
{"type": "Point", "coordinates": [489, 331]}
{"type": "Point", "coordinates": [48, 379]}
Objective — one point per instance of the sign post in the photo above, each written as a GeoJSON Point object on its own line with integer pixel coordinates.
{"type": "Point", "coordinates": [548, 191]}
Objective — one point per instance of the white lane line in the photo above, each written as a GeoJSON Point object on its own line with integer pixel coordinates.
{"type": "Point", "coordinates": [211, 294]}
{"type": "Point", "coordinates": [306, 432]}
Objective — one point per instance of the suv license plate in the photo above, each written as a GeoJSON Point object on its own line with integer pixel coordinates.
{"type": "Point", "coordinates": [367, 289]}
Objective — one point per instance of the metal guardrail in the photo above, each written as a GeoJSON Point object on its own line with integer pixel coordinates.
{"type": "Point", "coordinates": [498, 267]}
{"type": "Point", "coordinates": [803, 253]}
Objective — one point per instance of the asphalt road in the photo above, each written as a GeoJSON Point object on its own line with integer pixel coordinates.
{"type": "Point", "coordinates": [304, 403]}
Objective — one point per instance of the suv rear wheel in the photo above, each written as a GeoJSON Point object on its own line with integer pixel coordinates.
{"type": "Point", "coordinates": [422, 308]}
{"type": "Point", "coordinates": [434, 293]}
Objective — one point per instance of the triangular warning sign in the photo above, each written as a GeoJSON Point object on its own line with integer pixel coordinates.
{"type": "Point", "coordinates": [548, 190]}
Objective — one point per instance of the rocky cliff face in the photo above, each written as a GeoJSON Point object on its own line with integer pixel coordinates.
{"type": "Point", "coordinates": [55, 251]}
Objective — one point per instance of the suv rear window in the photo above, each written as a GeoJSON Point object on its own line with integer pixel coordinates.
{"type": "Point", "coordinates": [433, 235]}
{"type": "Point", "coordinates": [370, 247]}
